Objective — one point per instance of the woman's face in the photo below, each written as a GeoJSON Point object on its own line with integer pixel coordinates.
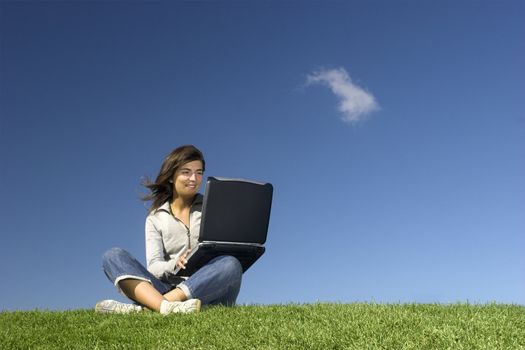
{"type": "Point", "coordinates": [187, 179]}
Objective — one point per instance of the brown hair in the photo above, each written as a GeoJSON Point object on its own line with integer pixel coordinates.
{"type": "Point", "coordinates": [162, 189]}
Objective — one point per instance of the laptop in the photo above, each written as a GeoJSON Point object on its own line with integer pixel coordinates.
{"type": "Point", "coordinates": [234, 221]}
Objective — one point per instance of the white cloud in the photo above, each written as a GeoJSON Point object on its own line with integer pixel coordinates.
{"type": "Point", "coordinates": [355, 103]}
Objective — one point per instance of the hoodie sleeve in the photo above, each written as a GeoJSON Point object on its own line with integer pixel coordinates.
{"type": "Point", "coordinates": [155, 255]}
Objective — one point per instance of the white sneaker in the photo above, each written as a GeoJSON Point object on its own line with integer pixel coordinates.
{"type": "Point", "coordinates": [116, 307]}
{"type": "Point", "coordinates": [186, 307]}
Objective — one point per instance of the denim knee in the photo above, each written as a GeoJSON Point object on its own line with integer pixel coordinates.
{"type": "Point", "coordinates": [112, 255]}
{"type": "Point", "coordinates": [218, 282]}
{"type": "Point", "coordinates": [232, 272]}
{"type": "Point", "coordinates": [231, 266]}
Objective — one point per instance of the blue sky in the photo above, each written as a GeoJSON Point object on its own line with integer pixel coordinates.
{"type": "Point", "coordinates": [392, 131]}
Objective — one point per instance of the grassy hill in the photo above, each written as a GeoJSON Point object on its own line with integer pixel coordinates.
{"type": "Point", "coordinates": [312, 326]}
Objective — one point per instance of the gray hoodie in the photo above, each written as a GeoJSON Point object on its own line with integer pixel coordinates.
{"type": "Point", "coordinates": [167, 238]}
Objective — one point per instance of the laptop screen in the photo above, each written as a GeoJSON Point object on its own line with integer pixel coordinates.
{"type": "Point", "coordinates": [235, 210]}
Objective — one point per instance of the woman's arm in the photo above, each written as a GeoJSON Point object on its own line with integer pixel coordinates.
{"type": "Point", "coordinates": [155, 254]}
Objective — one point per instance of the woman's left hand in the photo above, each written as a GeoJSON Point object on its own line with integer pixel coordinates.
{"type": "Point", "coordinates": [182, 260]}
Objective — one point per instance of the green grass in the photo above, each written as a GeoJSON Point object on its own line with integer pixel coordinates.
{"type": "Point", "coordinates": [313, 326]}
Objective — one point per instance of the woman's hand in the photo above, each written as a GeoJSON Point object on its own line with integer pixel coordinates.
{"type": "Point", "coordinates": [182, 260]}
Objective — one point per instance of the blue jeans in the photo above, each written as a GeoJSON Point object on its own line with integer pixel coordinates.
{"type": "Point", "coordinates": [217, 282]}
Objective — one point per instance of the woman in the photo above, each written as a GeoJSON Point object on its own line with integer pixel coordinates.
{"type": "Point", "coordinates": [172, 229]}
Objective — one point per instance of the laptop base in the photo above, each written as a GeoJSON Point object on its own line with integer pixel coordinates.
{"type": "Point", "coordinates": [247, 254]}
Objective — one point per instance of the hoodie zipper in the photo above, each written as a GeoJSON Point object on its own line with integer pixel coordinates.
{"type": "Point", "coordinates": [188, 234]}
{"type": "Point", "coordinates": [183, 224]}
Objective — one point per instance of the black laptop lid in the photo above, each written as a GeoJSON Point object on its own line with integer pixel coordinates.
{"type": "Point", "coordinates": [235, 210]}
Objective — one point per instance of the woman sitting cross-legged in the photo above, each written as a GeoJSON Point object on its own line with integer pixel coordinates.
{"type": "Point", "coordinates": [172, 229]}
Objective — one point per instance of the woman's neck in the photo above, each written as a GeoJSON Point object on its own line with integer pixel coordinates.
{"type": "Point", "coordinates": [182, 202]}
